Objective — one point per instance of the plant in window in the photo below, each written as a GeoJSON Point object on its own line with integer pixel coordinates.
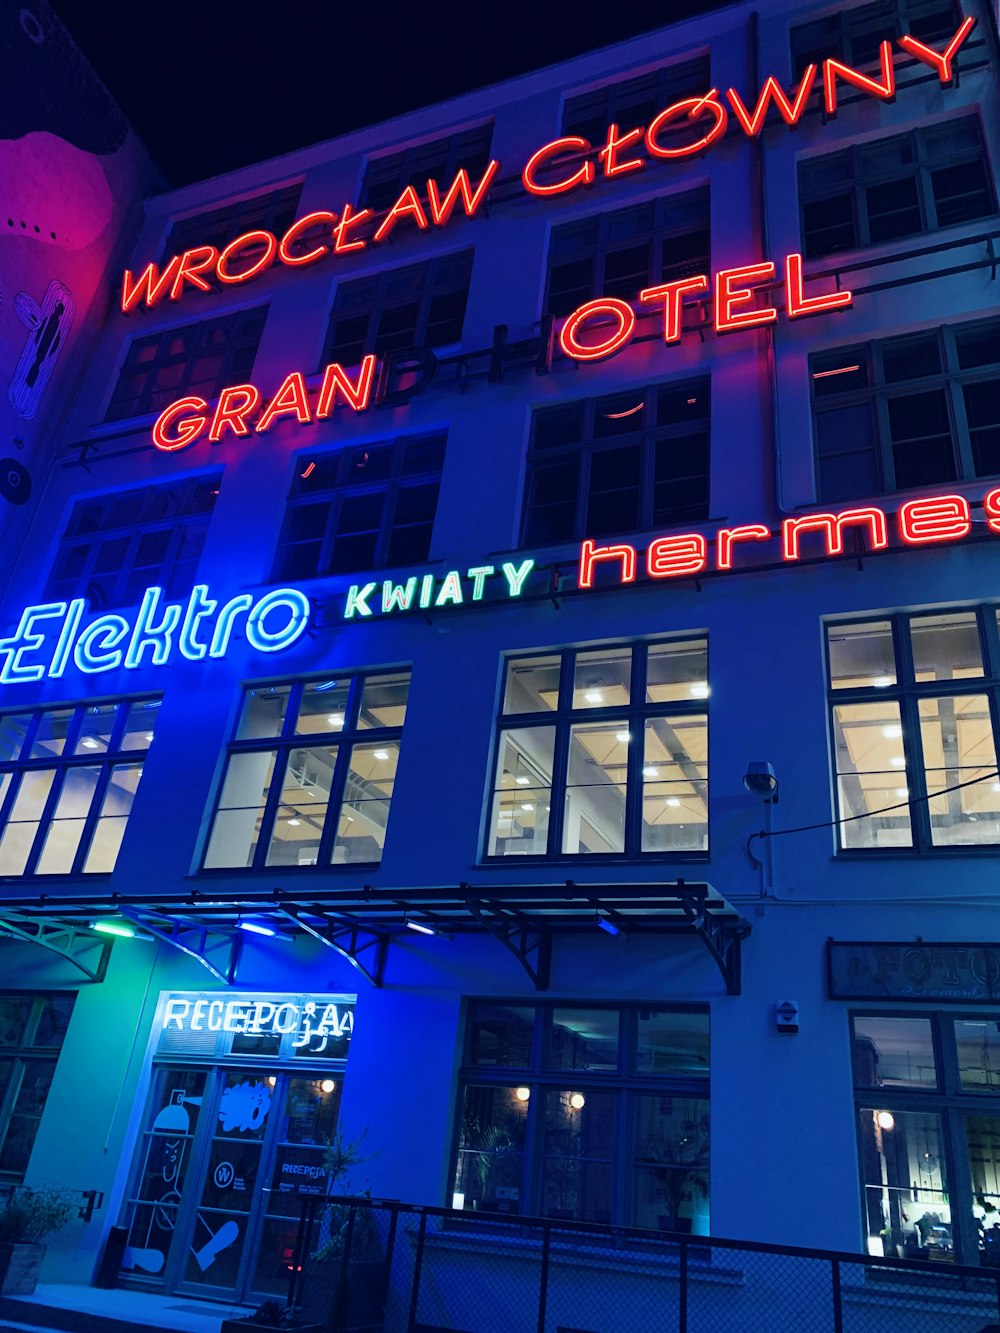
{"type": "Point", "coordinates": [676, 1159]}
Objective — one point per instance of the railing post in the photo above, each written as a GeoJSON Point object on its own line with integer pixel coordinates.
{"type": "Point", "coordinates": [543, 1283]}
{"type": "Point", "coordinates": [297, 1276]}
{"type": "Point", "coordinates": [418, 1260]}
{"type": "Point", "coordinates": [838, 1309]}
{"type": "Point", "coordinates": [682, 1313]}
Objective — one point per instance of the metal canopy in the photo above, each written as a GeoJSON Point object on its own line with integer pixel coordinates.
{"type": "Point", "coordinates": [359, 922]}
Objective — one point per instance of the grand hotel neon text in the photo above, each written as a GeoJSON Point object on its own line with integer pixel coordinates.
{"type": "Point", "coordinates": [558, 167]}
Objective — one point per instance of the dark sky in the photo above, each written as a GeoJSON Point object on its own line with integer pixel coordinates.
{"type": "Point", "coordinates": [214, 84]}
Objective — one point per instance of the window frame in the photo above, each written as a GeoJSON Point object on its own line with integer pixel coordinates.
{"type": "Point", "coordinates": [346, 739]}
{"type": "Point", "coordinates": [662, 229]}
{"type": "Point", "coordinates": [948, 1100]}
{"type": "Point", "coordinates": [178, 525]}
{"type": "Point", "coordinates": [627, 1083]}
{"type": "Point", "coordinates": [619, 99]}
{"type": "Point", "coordinates": [858, 180]}
{"type": "Point", "coordinates": [391, 486]}
{"type": "Point", "coordinates": [21, 1055]}
{"type": "Point", "coordinates": [62, 763]}
{"type": "Point", "coordinates": [908, 693]}
{"type": "Point", "coordinates": [380, 305]}
{"type": "Point", "coordinates": [588, 445]}
{"type": "Point", "coordinates": [897, 17]}
{"type": "Point", "coordinates": [561, 720]}
{"type": "Point", "coordinates": [877, 395]}
{"type": "Point", "coordinates": [271, 210]}
{"type": "Point", "coordinates": [388, 174]}
{"type": "Point", "coordinates": [240, 345]}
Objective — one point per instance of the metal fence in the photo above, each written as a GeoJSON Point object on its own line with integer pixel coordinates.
{"type": "Point", "coordinates": [369, 1266]}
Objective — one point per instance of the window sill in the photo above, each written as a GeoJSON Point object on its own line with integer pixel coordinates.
{"type": "Point", "coordinates": [343, 867]}
{"type": "Point", "coordinates": [914, 853]}
{"type": "Point", "coordinates": [595, 859]}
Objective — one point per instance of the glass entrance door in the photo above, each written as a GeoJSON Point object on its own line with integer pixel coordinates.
{"type": "Point", "coordinates": [224, 1163]}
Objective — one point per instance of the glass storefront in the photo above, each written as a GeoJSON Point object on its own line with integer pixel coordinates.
{"type": "Point", "coordinates": [242, 1113]}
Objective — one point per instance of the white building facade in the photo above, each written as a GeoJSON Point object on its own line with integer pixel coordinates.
{"type": "Point", "coordinates": [462, 650]}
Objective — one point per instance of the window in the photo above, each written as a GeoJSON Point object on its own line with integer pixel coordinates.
{"type": "Point", "coordinates": [197, 359]}
{"type": "Point", "coordinates": [32, 1030]}
{"type": "Point", "coordinates": [68, 777]}
{"type": "Point", "coordinates": [594, 1113]}
{"type": "Point", "coordinates": [310, 773]}
{"type": "Point", "coordinates": [603, 751]}
{"type": "Point", "coordinates": [364, 508]}
{"type": "Point", "coordinates": [116, 546]}
{"type": "Point", "coordinates": [629, 462]}
{"type": "Point", "coordinates": [914, 411]}
{"type": "Point", "coordinates": [914, 720]}
{"type": "Point", "coordinates": [619, 253]}
{"type": "Point", "coordinates": [634, 102]}
{"type": "Point", "coordinates": [927, 1090]}
{"type": "Point", "coordinates": [854, 35]}
{"type": "Point", "coordinates": [936, 176]}
{"type": "Point", "coordinates": [387, 177]}
{"type": "Point", "coordinates": [273, 212]}
{"type": "Point", "coordinates": [422, 305]}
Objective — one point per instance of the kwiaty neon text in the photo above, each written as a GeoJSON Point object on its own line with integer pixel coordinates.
{"type": "Point", "coordinates": [680, 131]}
{"type": "Point", "coordinates": [51, 636]}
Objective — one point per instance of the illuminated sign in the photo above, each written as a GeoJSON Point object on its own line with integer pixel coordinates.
{"type": "Point", "coordinates": [316, 1020]}
{"type": "Point", "coordinates": [368, 599]}
{"type": "Point", "coordinates": [584, 336]}
{"type": "Point", "coordinates": [927, 521]}
{"type": "Point", "coordinates": [680, 131]}
{"type": "Point", "coordinates": [51, 635]}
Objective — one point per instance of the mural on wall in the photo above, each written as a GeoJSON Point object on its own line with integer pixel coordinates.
{"type": "Point", "coordinates": [72, 174]}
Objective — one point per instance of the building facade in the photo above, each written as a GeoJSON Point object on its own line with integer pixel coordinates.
{"type": "Point", "coordinates": [509, 641]}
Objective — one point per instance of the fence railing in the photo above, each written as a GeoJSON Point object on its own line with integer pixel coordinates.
{"type": "Point", "coordinates": [372, 1266]}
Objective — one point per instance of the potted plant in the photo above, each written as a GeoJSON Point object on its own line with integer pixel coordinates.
{"type": "Point", "coordinates": [678, 1164]}
{"type": "Point", "coordinates": [25, 1220]}
{"type": "Point", "coordinates": [346, 1270]}
{"type": "Point", "coordinates": [272, 1314]}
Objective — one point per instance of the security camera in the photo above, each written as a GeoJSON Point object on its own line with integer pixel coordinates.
{"type": "Point", "coordinates": [761, 780]}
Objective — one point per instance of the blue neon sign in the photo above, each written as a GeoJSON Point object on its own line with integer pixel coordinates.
{"type": "Point", "coordinates": [52, 634]}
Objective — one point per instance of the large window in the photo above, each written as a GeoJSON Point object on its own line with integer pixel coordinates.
{"type": "Point", "coordinates": [68, 777]}
{"type": "Point", "coordinates": [630, 462]}
{"type": "Point", "coordinates": [115, 546]}
{"type": "Point", "coordinates": [32, 1030]}
{"type": "Point", "coordinates": [854, 35]}
{"type": "Point", "coordinates": [387, 177]}
{"type": "Point", "coordinates": [914, 721]}
{"type": "Point", "coordinates": [310, 773]}
{"type": "Point", "coordinates": [580, 1111]}
{"type": "Point", "coordinates": [422, 305]}
{"type": "Point", "coordinates": [366, 508]}
{"type": "Point", "coordinates": [935, 176]}
{"type": "Point", "coordinates": [273, 212]}
{"type": "Point", "coordinates": [603, 751]}
{"type": "Point", "coordinates": [914, 411]}
{"type": "Point", "coordinates": [927, 1088]}
{"type": "Point", "coordinates": [620, 253]}
{"type": "Point", "coordinates": [634, 102]}
{"type": "Point", "coordinates": [197, 359]}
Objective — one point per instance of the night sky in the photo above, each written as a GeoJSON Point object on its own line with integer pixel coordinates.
{"type": "Point", "coordinates": [210, 85]}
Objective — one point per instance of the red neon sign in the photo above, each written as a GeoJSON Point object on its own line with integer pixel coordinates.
{"type": "Point", "coordinates": [684, 129]}
{"type": "Point", "coordinates": [922, 522]}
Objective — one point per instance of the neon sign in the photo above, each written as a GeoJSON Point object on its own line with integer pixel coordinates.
{"type": "Point", "coordinates": [922, 522]}
{"type": "Point", "coordinates": [553, 169]}
{"type": "Point", "coordinates": [51, 635]}
{"type": "Point", "coordinates": [448, 592]}
{"type": "Point", "coordinates": [584, 336]}
{"type": "Point", "coordinates": [316, 1020]}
